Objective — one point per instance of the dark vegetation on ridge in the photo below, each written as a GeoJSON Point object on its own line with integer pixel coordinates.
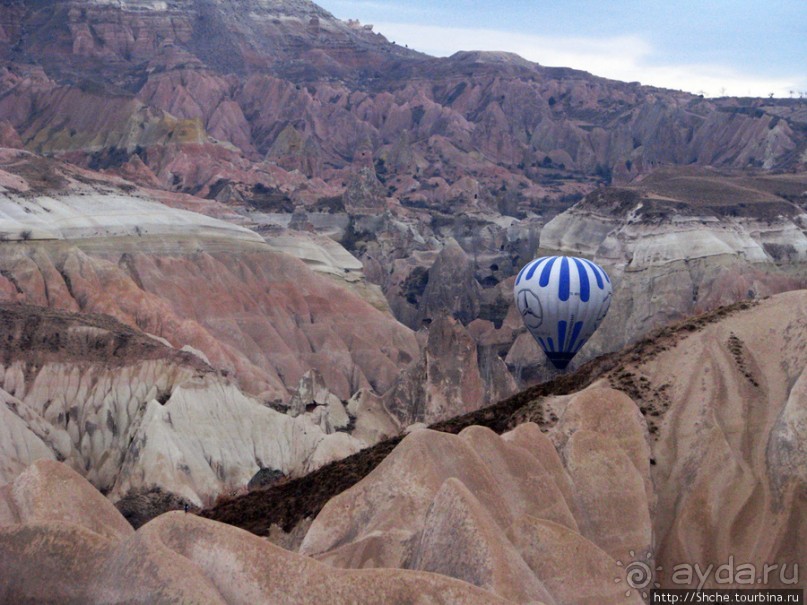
{"type": "Point", "coordinates": [287, 504]}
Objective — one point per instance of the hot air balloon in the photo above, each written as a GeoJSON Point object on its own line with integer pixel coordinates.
{"type": "Point", "coordinates": [563, 300]}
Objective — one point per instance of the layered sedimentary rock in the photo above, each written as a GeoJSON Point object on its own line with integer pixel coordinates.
{"type": "Point", "coordinates": [132, 414]}
{"type": "Point", "coordinates": [298, 366]}
{"type": "Point", "coordinates": [277, 106]}
{"type": "Point", "coordinates": [702, 465]}
{"type": "Point", "coordinates": [688, 451]}
{"type": "Point", "coordinates": [219, 95]}
{"type": "Point", "coordinates": [304, 126]}
{"type": "Point", "coordinates": [726, 407]}
{"type": "Point", "coordinates": [440, 177]}
{"type": "Point", "coordinates": [263, 315]}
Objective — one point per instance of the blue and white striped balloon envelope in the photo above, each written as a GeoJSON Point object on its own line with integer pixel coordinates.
{"type": "Point", "coordinates": [563, 300]}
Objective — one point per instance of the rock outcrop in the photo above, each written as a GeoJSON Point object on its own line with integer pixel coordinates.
{"type": "Point", "coordinates": [132, 414]}
{"type": "Point", "coordinates": [264, 327]}
{"type": "Point", "coordinates": [289, 82]}
{"type": "Point", "coordinates": [452, 376]}
{"type": "Point", "coordinates": [301, 126]}
{"type": "Point", "coordinates": [314, 247]}
{"type": "Point", "coordinates": [702, 465]}
{"type": "Point", "coordinates": [132, 420]}
{"type": "Point", "coordinates": [488, 509]}
{"type": "Point", "coordinates": [688, 450]}
{"type": "Point", "coordinates": [61, 541]}
{"type": "Point", "coordinates": [265, 316]}
{"type": "Point", "coordinates": [726, 407]}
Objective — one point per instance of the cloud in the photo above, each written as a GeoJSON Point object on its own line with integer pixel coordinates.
{"type": "Point", "coordinates": [625, 58]}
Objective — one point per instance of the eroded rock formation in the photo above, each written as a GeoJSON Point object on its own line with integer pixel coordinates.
{"type": "Point", "coordinates": [680, 242]}
{"type": "Point", "coordinates": [298, 122]}
{"type": "Point", "coordinates": [132, 414]}
{"type": "Point", "coordinates": [294, 361]}
{"type": "Point", "coordinates": [688, 450]}
{"type": "Point", "coordinates": [702, 465]}
{"type": "Point", "coordinates": [506, 513]}
{"type": "Point", "coordinates": [60, 540]}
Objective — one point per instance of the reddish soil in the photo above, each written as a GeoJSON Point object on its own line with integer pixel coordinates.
{"type": "Point", "coordinates": [40, 334]}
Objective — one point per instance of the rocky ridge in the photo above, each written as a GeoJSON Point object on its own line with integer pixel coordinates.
{"type": "Point", "coordinates": [133, 414]}
{"type": "Point", "coordinates": [385, 173]}
{"type": "Point", "coordinates": [708, 441]}
{"type": "Point", "coordinates": [697, 429]}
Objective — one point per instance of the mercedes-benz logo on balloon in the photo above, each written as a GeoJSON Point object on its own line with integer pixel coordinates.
{"type": "Point", "coordinates": [530, 308]}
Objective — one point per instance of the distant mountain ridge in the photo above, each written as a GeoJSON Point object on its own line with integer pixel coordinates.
{"type": "Point", "coordinates": [289, 83]}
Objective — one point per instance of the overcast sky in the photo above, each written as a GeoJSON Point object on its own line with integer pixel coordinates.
{"type": "Point", "coordinates": [732, 47]}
